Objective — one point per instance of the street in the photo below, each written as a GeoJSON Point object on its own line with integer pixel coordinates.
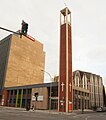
{"type": "Point", "coordinates": [15, 114]}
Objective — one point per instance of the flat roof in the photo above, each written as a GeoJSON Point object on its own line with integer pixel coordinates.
{"type": "Point", "coordinates": [52, 84]}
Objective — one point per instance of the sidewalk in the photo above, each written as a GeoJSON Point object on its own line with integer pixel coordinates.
{"type": "Point", "coordinates": [74, 112]}
{"type": "Point", "coordinates": [85, 111]}
{"type": "Point", "coordinates": [12, 108]}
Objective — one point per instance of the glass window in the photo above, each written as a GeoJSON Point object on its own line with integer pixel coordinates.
{"type": "Point", "coordinates": [15, 92]}
{"type": "Point", "coordinates": [24, 91]}
{"type": "Point", "coordinates": [29, 91]}
{"type": "Point", "coordinates": [19, 91]}
{"type": "Point", "coordinates": [11, 92]}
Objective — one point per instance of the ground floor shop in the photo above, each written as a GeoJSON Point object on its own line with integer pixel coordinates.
{"type": "Point", "coordinates": [21, 96]}
{"type": "Point", "coordinates": [42, 96]}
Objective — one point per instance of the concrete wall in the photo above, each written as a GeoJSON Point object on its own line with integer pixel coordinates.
{"type": "Point", "coordinates": [26, 59]}
{"type": "Point", "coordinates": [43, 104]}
{"type": "Point", "coordinates": [4, 52]}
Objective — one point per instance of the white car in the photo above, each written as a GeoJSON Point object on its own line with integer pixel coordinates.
{"type": "Point", "coordinates": [99, 109]}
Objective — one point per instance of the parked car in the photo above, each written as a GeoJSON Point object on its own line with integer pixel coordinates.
{"type": "Point", "coordinates": [104, 109]}
{"type": "Point", "coordinates": [101, 109]}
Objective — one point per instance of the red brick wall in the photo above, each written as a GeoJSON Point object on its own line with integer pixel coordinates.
{"type": "Point", "coordinates": [5, 96]}
{"type": "Point", "coordinates": [63, 66]}
{"type": "Point", "coordinates": [69, 66]}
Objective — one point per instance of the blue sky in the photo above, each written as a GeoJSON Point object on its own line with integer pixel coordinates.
{"type": "Point", "coordinates": [43, 16]}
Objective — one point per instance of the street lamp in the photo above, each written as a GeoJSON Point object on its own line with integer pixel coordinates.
{"type": "Point", "coordinates": [50, 88]}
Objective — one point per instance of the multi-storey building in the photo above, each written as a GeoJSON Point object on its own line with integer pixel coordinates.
{"type": "Point", "coordinates": [21, 62]}
{"type": "Point", "coordinates": [80, 90]}
{"type": "Point", "coordinates": [89, 87]}
{"type": "Point", "coordinates": [87, 90]}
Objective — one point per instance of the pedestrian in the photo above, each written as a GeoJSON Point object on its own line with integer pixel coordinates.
{"type": "Point", "coordinates": [28, 106]}
{"type": "Point", "coordinates": [33, 107]}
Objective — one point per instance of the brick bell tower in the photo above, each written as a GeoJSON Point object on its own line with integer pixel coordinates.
{"type": "Point", "coordinates": [65, 73]}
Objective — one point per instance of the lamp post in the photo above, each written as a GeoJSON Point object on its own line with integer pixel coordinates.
{"type": "Point", "coordinates": [50, 88]}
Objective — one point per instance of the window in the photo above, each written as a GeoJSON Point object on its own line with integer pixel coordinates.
{"type": "Point", "coordinates": [24, 91]}
{"type": "Point", "coordinates": [29, 91]}
{"type": "Point", "coordinates": [15, 92]}
{"type": "Point", "coordinates": [11, 92]}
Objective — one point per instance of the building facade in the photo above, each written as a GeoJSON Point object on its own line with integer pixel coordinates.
{"type": "Point", "coordinates": [88, 90]}
{"type": "Point", "coordinates": [84, 93]}
{"type": "Point", "coordinates": [104, 95]}
{"type": "Point", "coordinates": [21, 62]}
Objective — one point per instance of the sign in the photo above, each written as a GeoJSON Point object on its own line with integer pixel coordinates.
{"type": "Point", "coordinates": [40, 98]}
{"type": "Point", "coordinates": [2, 101]}
{"type": "Point", "coordinates": [33, 98]}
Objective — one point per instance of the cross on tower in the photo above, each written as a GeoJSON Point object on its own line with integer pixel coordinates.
{"type": "Point", "coordinates": [70, 86]}
{"type": "Point", "coordinates": [62, 85]}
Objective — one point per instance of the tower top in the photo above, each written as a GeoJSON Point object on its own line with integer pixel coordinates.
{"type": "Point", "coordinates": [63, 11]}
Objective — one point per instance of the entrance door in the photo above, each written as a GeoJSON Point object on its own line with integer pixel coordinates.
{"type": "Point", "coordinates": [54, 104]}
